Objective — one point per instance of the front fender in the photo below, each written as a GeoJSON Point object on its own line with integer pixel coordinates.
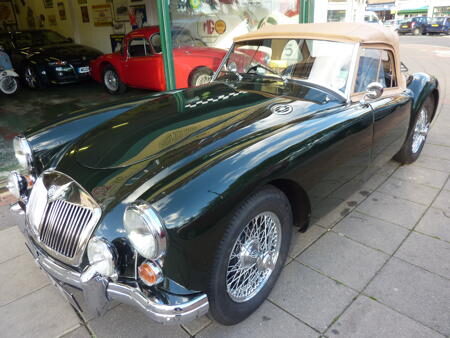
{"type": "Point", "coordinates": [423, 85]}
{"type": "Point", "coordinates": [10, 72]}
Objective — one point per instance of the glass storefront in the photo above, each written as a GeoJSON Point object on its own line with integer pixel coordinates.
{"type": "Point", "coordinates": [441, 11]}
{"type": "Point", "coordinates": [336, 15]}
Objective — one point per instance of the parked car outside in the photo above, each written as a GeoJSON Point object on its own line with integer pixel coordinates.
{"type": "Point", "coordinates": [393, 24]}
{"type": "Point", "coordinates": [415, 25]}
{"type": "Point", "coordinates": [43, 57]}
{"type": "Point", "coordinates": [183, 202]}
{"type": "Point", "coordinates": [371, 17]}
{"type": "Point", "coordinates": [439, 25]}
{"type": "Point", "coordinates": [140, 65]}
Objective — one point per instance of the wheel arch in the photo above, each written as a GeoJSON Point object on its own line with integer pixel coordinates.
{"type": "Point", "coordinates": [422, 86]}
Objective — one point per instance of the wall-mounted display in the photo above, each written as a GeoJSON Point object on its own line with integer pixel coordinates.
{"type": "Point", "coordinates": [61, 11]}
{"type": "Point", "coordinates": [82, 2]}
{"type": "Point", "coordinates": [138, 16]}
{"type": "Point", "coordinates": [7, 16]}
{"type": "Point", "coordinates": [101, 15]}
{"type": "Point", "coordinates": [48, 3]}
{"type": "Point", "coordinates": [120, 10]}
{"type": "Point", "coordinates": [116, 42]}
{"type": "Point", "coordinates": [84, 14]}
{"type": "Point", "coordinates": [52, 20]}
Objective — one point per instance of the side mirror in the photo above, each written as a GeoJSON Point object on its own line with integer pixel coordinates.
{"type": "Point", "coordinates": [374, 91]}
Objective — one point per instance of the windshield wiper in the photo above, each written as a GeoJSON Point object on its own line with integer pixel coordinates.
{"type": "Point", "coordinates": [282, 77]}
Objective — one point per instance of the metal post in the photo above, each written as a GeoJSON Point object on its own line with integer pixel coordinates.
{"type": "Point", "coordinates": [306, 11]}
{"type": "Point", "coordinates": [166, 42]}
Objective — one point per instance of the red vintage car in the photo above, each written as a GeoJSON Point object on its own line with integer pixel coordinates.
{"type": "Point", "coordinates": [139, 62]}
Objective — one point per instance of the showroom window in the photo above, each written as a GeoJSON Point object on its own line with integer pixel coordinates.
{"type": "Point", "coordinates": [335, 15]}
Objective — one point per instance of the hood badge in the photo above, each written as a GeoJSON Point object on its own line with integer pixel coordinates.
{"type": "Point", "coordinates": [281, 109]}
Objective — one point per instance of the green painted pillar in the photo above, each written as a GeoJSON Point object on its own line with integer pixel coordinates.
{"type": "Point", "coordinates": [166, 42]}
{"type": "Point", "coordinates": [306, 11]}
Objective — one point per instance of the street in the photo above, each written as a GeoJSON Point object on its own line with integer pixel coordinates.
{"type": "Point", "coordinates": [376, 266]}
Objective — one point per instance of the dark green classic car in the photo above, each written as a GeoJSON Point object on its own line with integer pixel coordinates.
{"type": "Point", "coordinates": [184, 202]}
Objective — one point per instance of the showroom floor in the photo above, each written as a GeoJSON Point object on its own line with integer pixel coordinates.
{"type": "Point", "coordinates": [376, 266]}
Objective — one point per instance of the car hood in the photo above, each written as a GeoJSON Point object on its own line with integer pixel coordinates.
{"type": "Point", "coordinates": [64, 51]}
{"type": "Point", "coordinates": [187, 121]}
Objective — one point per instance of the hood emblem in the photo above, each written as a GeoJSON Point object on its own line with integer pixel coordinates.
{"type": "Point", "coordinates": [281, 109]}
{"type": "Point", "coordinates": [58, 192]}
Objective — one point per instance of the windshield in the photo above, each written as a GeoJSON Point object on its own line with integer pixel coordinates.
{"type": "Point", "coordinates": [437, 20]}
{"type": "Point", "coordinates": [38, 38]}
{"type": "Point", "coordinates": [326, 63]}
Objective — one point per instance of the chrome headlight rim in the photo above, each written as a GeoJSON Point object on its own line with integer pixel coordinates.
{"type": "Point", "coordinates": [108, 256]}
{"type": "Point", "coordinates": [17, 184]}
{"type": "Point", "coordinates": [154, 225]}
{"type": "Point", "coordinates": [23, 152]}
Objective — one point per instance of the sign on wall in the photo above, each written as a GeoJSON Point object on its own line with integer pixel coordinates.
{"type": "Point", "coordinates": [116, 42]}
{"type": "Point", "coordinates": [7, 16]}
{"type": "Point", "coordinates": [84, 14]}
{"type": "Point", "coordinates": [48, 3]}
{"type": "Point", "coordinates": [120, 10]}
{"type": "Point", "coordinates": [61, 10]}
{"type": "Point", "coordinates": [101, 15]}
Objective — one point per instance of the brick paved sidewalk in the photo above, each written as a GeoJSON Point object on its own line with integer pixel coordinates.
{"type": "Point", "coordinates": [383, 270]}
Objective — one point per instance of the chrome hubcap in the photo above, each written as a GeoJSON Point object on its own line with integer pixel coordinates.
{"type": "Point", "coordinates": [30, 77]}
{"type": "Point", "coordinates": [111, 80]}
{"type": "Point", "coordinates": [253, 257]}
{"type": "Point", "coordinates": [203, 79]}
{"type": "Point", "coordinates": [420, 131]}
{"type": "Point", "coordinates": [8, 85]}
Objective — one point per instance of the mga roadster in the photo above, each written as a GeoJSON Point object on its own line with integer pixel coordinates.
{"type": "Point", "coordinates": [184, 202]}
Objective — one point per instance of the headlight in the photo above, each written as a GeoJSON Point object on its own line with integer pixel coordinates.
{"type": "Point", "coordinates": [17, 184]}
{"type": "Point", "coordinates": [23, 152]}
{"type": "Point", "coordinates": [145, 230]}
{"type": "Point", "coordinates": [101, 257]}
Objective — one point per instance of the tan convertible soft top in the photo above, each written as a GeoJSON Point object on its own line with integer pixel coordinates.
{"type": "Point", "coordinates": [333, 31]}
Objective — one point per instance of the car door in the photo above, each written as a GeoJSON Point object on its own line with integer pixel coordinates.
{"type": "Point", "coordinates": [141, 64]}
{"type": "Point", "coordinates": [391, 110]}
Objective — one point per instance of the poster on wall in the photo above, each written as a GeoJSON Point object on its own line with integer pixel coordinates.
{"type": "Point", "coordinates": [101, 15]}
{"type": "Point", "coordinates": [52, 20]}
{"type": "Point", "coordinates": [61, 11]}
{"type": "Point", "coordinates": [120, 10]}
{"type": "Point", "coordinates": [48, 3]}
{"type": "Point", "coordinates": [41, 21]}
{"type": "Point", "coordinates": [7, 17]}
{"type": "Point", "coordinates": [84, 14]}
{"type": "Point", "coordinates": [138, 16]}
{"type": "Point", "coordinates": [116, 42]}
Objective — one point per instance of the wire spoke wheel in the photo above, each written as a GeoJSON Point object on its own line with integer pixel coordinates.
{"type": "Point", "coordinates": [203, 79]}
{"type": "Point", "coordinates": [253, 257]}
{"type": "Point", "coordinates": [30, 77]}
{"type": "Point", "coordinates": [111, 80]}
{"type": "Point", "coordinates": [8, 85]}
{"type": "Point", "coordinates": [420, 131]}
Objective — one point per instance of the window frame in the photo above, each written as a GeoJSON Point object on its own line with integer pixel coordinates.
{"type": "Point", "coordinates": [387, 91]}
{"type": "Point", "coordinates": [145, 48]}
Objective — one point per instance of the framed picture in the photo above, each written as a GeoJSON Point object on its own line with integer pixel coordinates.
{"type": "Point", "coordinates": [138, 16]}
{"type": "Point", "coordinates": [101, 15]}
{"type": "Point", "coordinates": [7, 16]}
{"type": "Point", "coordinates": [52, 20]}
{"type": "Point", "coordinates": [84, 14]}
{"type": "Point", "coordinates": [61, 11]}
{"type": "Point", "coordinates": [82, 2]}
{"type": "Point", "coordinates": [116, 42]}
{"type": "Point", "coordinates": [48, 3]}
{"type": "Point", "coordinates": [120, 8]}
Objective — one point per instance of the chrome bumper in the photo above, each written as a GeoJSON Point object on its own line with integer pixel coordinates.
{"type": "Point", "coordinates": [98, 292]}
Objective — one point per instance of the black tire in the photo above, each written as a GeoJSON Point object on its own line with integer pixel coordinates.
{"type": "Point", "coordinates": [408, 153]}
{"type": "Point", "coordinates": [223, 308]}
{"type": "Point", "coordinates": [200, 76]}
{"type": "Point", "coordinates": [31, 78]}
{"type": "Point", "coordinates": [417, 31]}
{"type": "Point", "coordinates": [112, 82]}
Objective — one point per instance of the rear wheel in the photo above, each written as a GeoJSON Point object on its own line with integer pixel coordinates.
{"type": "Point", "coordinates": [250, 256]}
{"type": "Point", "coordinates": [31, 78]}
{"type": "Point", "coordinates": [200, 76]}
{"type": "Point", "coordinates": [417, 135]}
{"type": "Point", "coordinates": [112, 82]}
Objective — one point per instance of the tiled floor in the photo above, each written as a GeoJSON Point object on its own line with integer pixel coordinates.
{"type": "Point", "coordinates": [376, 267]}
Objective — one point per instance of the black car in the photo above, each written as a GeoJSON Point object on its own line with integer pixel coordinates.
{"type": "Point", "coordinates": [43, 57]}
{"type": "Point", "coordinates": [416, 25]}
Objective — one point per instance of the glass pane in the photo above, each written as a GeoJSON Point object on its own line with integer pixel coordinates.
{"type": "Point", "coordinates": [323, 62]}
{"type": "Point", "coordinates": [335, 15]}
{"type": "Point", "coordinates": [368, 69]}
{"type": "Point", "coordinates": [138, 47]}
{"type": "Point", "coordinates": [387, 75]}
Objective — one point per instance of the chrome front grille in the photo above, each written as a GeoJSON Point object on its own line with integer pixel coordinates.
{"type": "Point", "coordinates": [62, 226]}
{"type": "Point", "coordinates": [61, 216]}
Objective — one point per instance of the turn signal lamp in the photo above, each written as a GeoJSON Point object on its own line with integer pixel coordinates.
{"type": "Point", "coordinates": [150, 273]}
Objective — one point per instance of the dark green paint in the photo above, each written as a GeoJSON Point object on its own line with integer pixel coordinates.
{"type": "Point", "coordinates": [196, 162]}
